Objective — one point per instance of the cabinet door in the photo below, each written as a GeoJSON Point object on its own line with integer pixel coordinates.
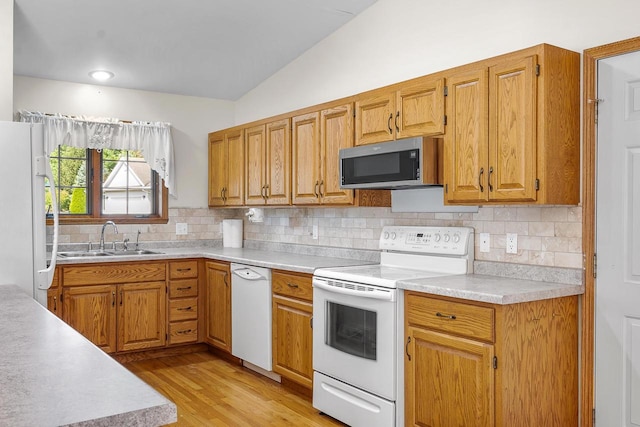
{"type": "Point", "coordinates": [142, 315]}
{"type": "Point", "coordinates": [375, 119]}
{"type": "Point", "coordinates": [466, 139]}
{"type": "Point", "coordinates": [217, 169]}
{"type": "Point", "coordinates": [292, 339]}
{"type": "Point", "coordinates": [234, 196]}
{"type": "Point", "coordinates": [512, 130]}
{"type": "Point", "coordinates": [218, 305]}
{"type": "Point", "coordinates": [449, 381]}
{"type": "Point", "coordinates": [255, 152]}
{"type": "Point", "coordinates": [91, 310]}
{"type": "Point", "coordinates": [420, 109]}
{"type": "Point", "coordinates": [278, 163]}
{"type": "Point", "coordinates": [336, 132]}
{"type": "Point", "coordinates": [306, 158]}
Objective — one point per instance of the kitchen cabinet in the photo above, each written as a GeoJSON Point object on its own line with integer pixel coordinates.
{"type": "Point", "coordinates": [183, 302]}
{"type": "Point", "coordinates": [118, 307]}
{"type": "Point", "coordinates": [415, 108]}
{"type": "Point", "coordinates": [54, 293]}
{"type": "Point", "coordinates": [226, 168]}
{"type": "Point", "coordinates": [218, 305]}
{"type": "Point", "coordinates": [316, 141]}
{"type": "Point", "coordinates": [472, 363]}
{"type": "Point", "coordinates": [292, 312]}
{"type": "Point", "coordinates": [513, 129]}
{"type": "Point", "coordinates": [268, 164]}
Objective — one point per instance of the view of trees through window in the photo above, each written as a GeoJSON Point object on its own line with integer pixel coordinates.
{"type": "Point", "coordinates": [127, 184]}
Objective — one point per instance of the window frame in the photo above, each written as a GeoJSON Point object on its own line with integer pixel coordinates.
{"type": "Point", "coordinates": [94, 187]}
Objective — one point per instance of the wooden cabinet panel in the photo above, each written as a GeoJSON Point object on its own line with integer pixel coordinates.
{"type": "Point", "coordinates": [278, 163]}
{"type": "Point", "coordinates": [449, 381]}
{"type": "Point", "coordinates": [255, 152]}
{"type": "Point", "coordinates": [218, 305]}
{"type": "Point", "coordinates": [183, 288]}
{"type": "Point", "coordinates": [420, 109]}
{"type": "Point", "coordinates": [306, 158]}
{"type": "Point", "coordinates": [183, 269]}
{"type": "Point", "coordinates": [466, 139]}
{"type": "Point", "coordinates": [183, 309]}
{"type": "Point", "coordinates": [292, 339]}
{"type": "Point", "coordinates": [113, 273]}
{"type": "Point", "coordinates": [512, 130]}
{"type": "Point", "coordinates": [234, 196]}
{"type": "Point", "coordinates": [292, 285]}
{"type": "Point", "coordinates": [336, 132]}
{"type": "Point", "coordinates": [91, 310]}
{"type": "Point", "coordinates": [183, 332]}
{"type": "Point", "coordinates": [226, 168]}
{"type": "Point", "coordinates": [374, 118]}
{"type": "Point", "coordinates": [54, 293]}
{"type": "Point", "coordinates": [218, 155]}
{"type": "Point", "coordinates": [142, 317]}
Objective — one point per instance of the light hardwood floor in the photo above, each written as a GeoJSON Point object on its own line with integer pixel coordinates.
{"type": "Point", "coordinates": [210, 391]}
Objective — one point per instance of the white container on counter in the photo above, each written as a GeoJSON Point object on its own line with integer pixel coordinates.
{"type": "Point", "coordinates": [232, 233]}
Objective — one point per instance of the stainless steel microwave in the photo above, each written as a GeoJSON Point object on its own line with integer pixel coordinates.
{"type": "Point", "coordinates": [391, 165]}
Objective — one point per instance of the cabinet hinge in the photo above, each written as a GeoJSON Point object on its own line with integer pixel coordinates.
{"type": "Point", "coordinates": [537, 69]}
{"type": "Point", "coordinates": [495, 362]}
{"type": "Point", "coordinates": [537, 184]}
{"type": "Point", "coordinates": [446, 91]}
{"type": "Point", "coordinates": [595, 269]}
{"type": "Point", "coordinates": [445, 120]}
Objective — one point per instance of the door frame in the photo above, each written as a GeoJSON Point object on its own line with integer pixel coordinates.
{"type": "Point", "coordinates": [589, 106]}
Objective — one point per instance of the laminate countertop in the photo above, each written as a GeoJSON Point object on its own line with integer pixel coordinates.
{"type": "Point", "coordinates": [50, 375]}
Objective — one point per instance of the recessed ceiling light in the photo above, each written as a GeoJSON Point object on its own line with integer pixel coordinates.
{"type": "Point", "coordinates": [101, 75]}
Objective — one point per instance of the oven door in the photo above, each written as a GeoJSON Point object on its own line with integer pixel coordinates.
{"type": "Point", "coordinates": [354, 335]}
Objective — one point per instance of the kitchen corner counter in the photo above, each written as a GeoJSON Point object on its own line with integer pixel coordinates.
{"type": "Point", "coordinates": [491, 289]}
{"type": "Point", "coordinates": [50, 375]}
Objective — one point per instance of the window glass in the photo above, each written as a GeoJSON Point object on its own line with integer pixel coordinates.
{"type": "Point", "coordinates": [69, 167]}
{"type": "Point", "coordinates": [127, 183]}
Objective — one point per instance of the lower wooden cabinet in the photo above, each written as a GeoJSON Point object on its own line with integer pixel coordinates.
{"type": "Point", "coordinates": [54, 302]}
{"type": "Point", "coordinates": [183, 302]}
{"type": "Point", "coordinates": [218, 305]}
{"type": "Point", "coordinates": [475, 364]}
{"type": "Point", "coordinates": [292, 313]}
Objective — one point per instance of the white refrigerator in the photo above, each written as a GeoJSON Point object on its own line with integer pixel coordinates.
{"type": "Point", "coordinates": [23, 169]}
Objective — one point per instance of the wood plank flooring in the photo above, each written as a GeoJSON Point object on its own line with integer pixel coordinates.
{"type": "Point", "coordinates": [210, 391]}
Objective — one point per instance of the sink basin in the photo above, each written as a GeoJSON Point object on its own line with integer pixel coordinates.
{"type": "Point", "coordinates": [135, 252]}
{"type": "Point", "coordinates": [84, 254]}
{"type": "Point", "coordinates": [75, 254]}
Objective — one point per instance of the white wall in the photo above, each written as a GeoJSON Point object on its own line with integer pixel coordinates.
{"type": "Point", "coordinates": [395, 40]}
{"type": "Point", "coordinates": [191, 118]}
{"type": "Point", "coordinates": [6, 60]}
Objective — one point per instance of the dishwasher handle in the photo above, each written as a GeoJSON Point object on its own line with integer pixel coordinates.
{"type": "Point", "coordinates": [248, 274]}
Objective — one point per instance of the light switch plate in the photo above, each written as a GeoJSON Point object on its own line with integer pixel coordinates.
{"type": "Point", "coordinates": [485, 242]}
{"type": "Point", "coordinates": [315, 232]}
{"type": "Point", "coordinates": [512, 243]}
{"type": "Point", "coordinates": [182, 228]}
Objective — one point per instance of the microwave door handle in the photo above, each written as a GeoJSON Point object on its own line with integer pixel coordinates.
{"type": "Point", "coordinates": [374, 294]}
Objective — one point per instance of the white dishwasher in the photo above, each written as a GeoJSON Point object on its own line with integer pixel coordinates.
{"type": "Point", "coordinates": [251, 314]}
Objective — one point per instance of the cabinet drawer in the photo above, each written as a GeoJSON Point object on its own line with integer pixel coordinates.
{"type": "Point", "coordinates": [449, 316]}
{"type": "Point", "coordinates": [293, 285]}
{"type": "Point", "coordinates": [183, 288]}
{"type": "Point", "coordinates": [181, 332]}
{"type": "Point", "coordinates": [104, 274]}
{"type": "Point", "coordinates": [183, 309]}
{"type": "Point", "coordinates": [183, 269]}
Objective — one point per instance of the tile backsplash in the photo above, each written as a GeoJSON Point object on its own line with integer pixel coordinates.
{"type": "Point", "coordinates": [548, 236]}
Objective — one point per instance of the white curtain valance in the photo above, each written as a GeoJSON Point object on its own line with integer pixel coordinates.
{"type": "Point", "coordinates": [152, 139]}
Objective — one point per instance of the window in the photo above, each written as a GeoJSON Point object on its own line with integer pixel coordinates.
{"type": "Point", "coordinates": [127, 189]}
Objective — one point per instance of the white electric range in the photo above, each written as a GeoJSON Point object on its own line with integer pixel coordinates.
{"type": "Point", "coordinates": [358, 322]}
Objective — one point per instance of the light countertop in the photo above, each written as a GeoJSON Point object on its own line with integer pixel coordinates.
{"type": "Point", "coordinates": [492, 289]}
{"type": "Point", "coordinates": [50, 375]}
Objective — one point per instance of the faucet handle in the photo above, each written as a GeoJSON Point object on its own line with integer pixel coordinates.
{"type": "Point", "coordinates": [90, 246]}
{"type": "Point", "coordinates": [125, 243]}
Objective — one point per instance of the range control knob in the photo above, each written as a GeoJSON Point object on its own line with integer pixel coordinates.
{"type": "Point", "coordinates": [386, 234]}
{"type": "Point", "coordinates": [456, 238]}
{"type": "Point", "coordinates": [437, 237]}
{"type": "Point", "coordinates": [447, 237]}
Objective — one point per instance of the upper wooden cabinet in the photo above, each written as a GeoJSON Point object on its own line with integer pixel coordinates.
{"type": "Point", "coordinates": [268, 164]}
{"type": "Point", "coordinates": [226, 168]}
{"type": "Point", "coordinates": [415, 109]}
{"type": "Point", "coordinates": [513, 129]}
{"type": "Point", "coordinates": [316, 141]}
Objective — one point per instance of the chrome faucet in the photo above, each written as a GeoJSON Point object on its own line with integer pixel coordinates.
{"type": "Point", "coordinates": [102, 233]}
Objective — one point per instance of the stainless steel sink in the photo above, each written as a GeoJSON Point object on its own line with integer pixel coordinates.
{"type": "Point", "coordinates": [84, 254]}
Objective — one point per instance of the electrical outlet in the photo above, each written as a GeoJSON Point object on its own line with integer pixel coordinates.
{"type": "Point", "coordinates": [485, 242]}
{"type": "Point", "coordinates": [182, 228]}
{"type": "Point", "coordinates": [512, 243]}
{"type": "Point", "coordinates": [315, 232]}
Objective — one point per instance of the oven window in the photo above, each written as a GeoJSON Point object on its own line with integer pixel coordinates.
{"type": "Point", "coordinates": [351, 330]}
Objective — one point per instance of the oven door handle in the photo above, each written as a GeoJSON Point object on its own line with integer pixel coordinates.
{"type": "Point", "coordinates": [371, 293]}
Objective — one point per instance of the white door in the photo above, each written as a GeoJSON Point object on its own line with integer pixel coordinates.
{"type": "Point", "coordinates": [617, 357]}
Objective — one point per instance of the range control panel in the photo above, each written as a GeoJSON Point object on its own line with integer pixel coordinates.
{"type": "Point", "coordinates": [436, 240]}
